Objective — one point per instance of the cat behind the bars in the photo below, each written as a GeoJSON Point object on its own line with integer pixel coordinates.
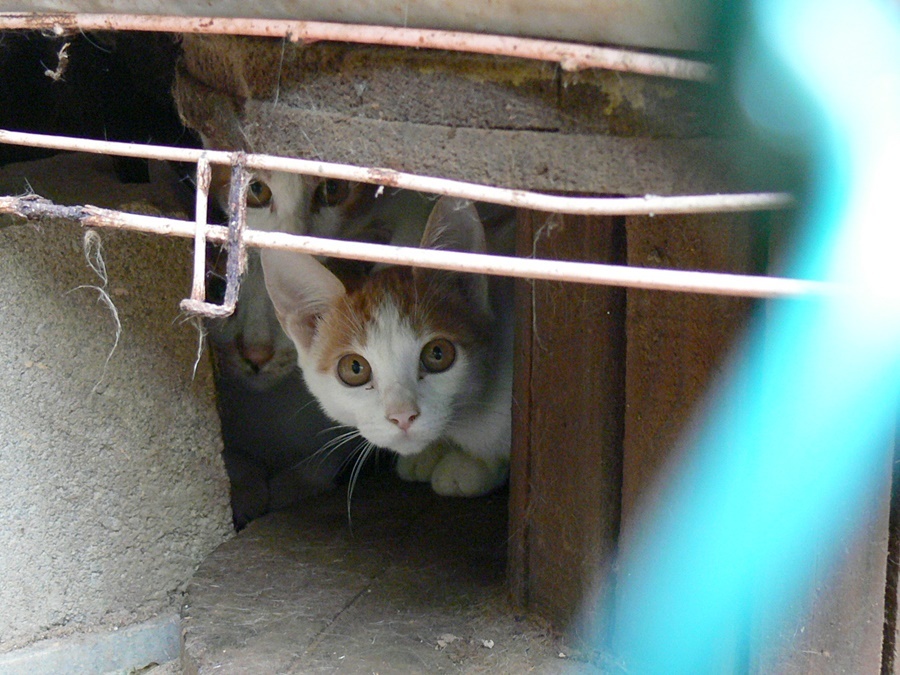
{"type": "Point", "coordinates": [278, 445]}
{"type": "Point", "coordinates": [418, 360]}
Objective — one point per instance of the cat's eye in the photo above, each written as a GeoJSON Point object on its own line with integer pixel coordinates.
{"type": "Point", "coordinates": [438, 355]}
{"type": "Point", "coordinates": [354, 370]}
{"type": "Point", "coordinates": [332, 192]}
{"type": "Point", "coordinates": [258, 194]}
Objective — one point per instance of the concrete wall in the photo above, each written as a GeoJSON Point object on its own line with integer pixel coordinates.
{"type": "Point", "coordinates": [113, 488]}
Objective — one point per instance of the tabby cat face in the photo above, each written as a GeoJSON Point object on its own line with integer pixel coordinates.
{"type": "Point", "coordinates": [286, 202]}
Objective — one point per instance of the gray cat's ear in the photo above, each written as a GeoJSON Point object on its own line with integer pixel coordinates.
{"type": "Point", "coordinates": [301, 289]}
{"type": "Point", "coordinates": [454, 225]}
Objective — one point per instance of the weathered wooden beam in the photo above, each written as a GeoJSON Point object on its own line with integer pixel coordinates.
{"type": "Point", "coordinates": [569, 416]}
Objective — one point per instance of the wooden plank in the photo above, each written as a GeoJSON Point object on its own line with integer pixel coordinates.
{"type": "Point", "coordinates": [569, 411]}
{"type": "Point", "coordinates": [497, 121]}
{"type": "Point", "coordinates": [677, 346]}
{"type": "Point", "coordinates": [449, 89]}
{"type": "Point", "coordinates": [849, 623]}
{"type": "Point", "coordinates": [676, 341]}
{"type": "Point", "coordinates": [517, 567]}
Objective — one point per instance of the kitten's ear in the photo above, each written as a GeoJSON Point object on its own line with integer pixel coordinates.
{"type": "Point", "coordinates": [301, 290]}
{"type": "Point", "coordinates": [454, 225]}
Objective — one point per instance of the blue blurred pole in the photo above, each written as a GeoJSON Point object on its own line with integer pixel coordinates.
{"type": "Point", "coordinates": [801, 429]}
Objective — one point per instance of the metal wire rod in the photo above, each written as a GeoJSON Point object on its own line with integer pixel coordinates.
{"type": "Point", "coordinates": [198, 284]}
{"type": "Point", "coordinates": [589, 206]}
{"type": "Point", "coordinates": [570, 56]}
{"type": "Point", "coordinates": [34, 208]}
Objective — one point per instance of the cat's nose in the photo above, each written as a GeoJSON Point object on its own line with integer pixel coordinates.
{"type": "Point", "coordinates": [257, 355]}
{"type": "Point", "coordinates": [403, 418]}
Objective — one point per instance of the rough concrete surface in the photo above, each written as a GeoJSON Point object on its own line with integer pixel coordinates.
{"type": "Point", "coordinates": [419, 586]}
{"type": "Point", "coordinates": [113, 486]}
{"type": "Point", "coordinates": [484, 119]}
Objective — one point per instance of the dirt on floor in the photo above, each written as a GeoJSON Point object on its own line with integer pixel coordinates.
{"type": "Point", "coordinates": [415, 585]}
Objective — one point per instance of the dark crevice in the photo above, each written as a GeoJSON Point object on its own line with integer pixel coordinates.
{"type": "Point", "coordinates": [892, 586]}
{"type": "Point", "coordinates": [105, 86]}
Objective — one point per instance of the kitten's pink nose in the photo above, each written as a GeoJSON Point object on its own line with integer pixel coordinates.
{"type": "Point", "coordinates": [403, 418]}
{"type": "Point", "coordinates": [257, 355]}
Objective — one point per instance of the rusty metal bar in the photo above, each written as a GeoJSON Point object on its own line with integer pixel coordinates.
{"type": "Point", "coordinates": [570, 56]}
{"type": "Point", "coordinates": [204, 177]}
{"type": "Point", "coordinates": [237, 224]}
{"type": "Point", "coordinates": [588, 206]}
{"type": "Point", "coordinates": [34, 208]}
{"type": "Point", "coordinates": [235, 247]}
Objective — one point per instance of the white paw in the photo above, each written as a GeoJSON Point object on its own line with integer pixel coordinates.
{"type": "Point", "coordinates": [419, 467]}
{"type": "Point", "coordinates": [459, 474]}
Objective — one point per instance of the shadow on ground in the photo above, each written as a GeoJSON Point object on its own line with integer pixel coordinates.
{"type": "Point", "coordinates": [416, 585]}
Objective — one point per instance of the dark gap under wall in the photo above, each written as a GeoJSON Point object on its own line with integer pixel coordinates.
{"type": "Point", "coordinates": [105, 86]}
{"type": "Point", "coordinates": [892, 587]}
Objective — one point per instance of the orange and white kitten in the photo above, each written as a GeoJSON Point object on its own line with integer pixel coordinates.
{"type": "Point", "coordinates": [418, 360]}
{"type": "Point", "coordinates": [278, 445]}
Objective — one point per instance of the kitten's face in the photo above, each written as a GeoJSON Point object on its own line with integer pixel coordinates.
{"type": "Point", "coordinates": [400, 358]}
{"type": "Point", "coordinates": [404, 356]}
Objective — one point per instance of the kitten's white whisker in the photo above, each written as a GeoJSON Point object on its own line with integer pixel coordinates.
{"type": "Point", "coordinates": [330, 447]}
{"type": "Point", "coordinates": [299, 410]}
{"type": "Point", "coordinates": [335, 428]}
{"type": "Point", "coordinates": [337, 440]}
{"type": "Point", "coordinates": [335, 443]}
{"type": "Point", "coordinates": [357, 327]}
{"type": "Point", "coordinates": [364, 453]}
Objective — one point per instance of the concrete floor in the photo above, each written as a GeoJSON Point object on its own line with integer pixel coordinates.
{"type": "Point", "coordinates": [418, 586]}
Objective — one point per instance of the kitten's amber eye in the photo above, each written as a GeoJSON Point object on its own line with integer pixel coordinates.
{"type": "Point", "coordinates": [438, 355]}
{"type": "Point", "coordinates": [354, 370]}
{"type": "Point", "coordinates": [332, 192]}
{"type": "Point", "coordinates": [258, 194]}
